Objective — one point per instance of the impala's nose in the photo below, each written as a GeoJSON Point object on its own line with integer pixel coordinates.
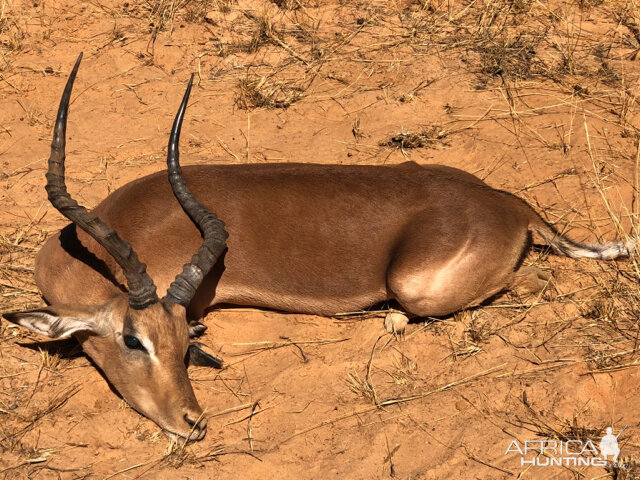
{"type": "Point", "coordinates": [201, 421]}
{"type": "Point", "coordinates": [197, 426]}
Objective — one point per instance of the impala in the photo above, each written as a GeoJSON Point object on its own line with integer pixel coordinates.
{"type": "Point", "coordinates": [305, 238]}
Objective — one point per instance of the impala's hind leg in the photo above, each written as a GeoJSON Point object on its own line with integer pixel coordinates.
{"type": "Point", "coordinates": [528, 280]}
{"type": "Point", "coordinates": [441, 268]}
{"type": "Point", "coordinates": [396, 322]}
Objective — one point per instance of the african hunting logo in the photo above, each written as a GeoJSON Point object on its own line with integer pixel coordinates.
{"type": "Point", "coordinates": [567, 453]}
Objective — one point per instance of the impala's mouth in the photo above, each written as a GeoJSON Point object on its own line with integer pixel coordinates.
{"type": "Point", "coordinates": [194, 435]}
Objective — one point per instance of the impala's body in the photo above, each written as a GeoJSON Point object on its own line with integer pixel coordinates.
{"type": "Point", "coordinates": [308, 238]}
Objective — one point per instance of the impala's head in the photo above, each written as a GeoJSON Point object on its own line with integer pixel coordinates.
{"type": "Point", "coordinates": [140, 342]}
{"type": "Point", "coordinates": [143, 353]}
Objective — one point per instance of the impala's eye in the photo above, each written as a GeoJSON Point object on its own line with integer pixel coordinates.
{"type": "Point", "coordinates": [133, 343]}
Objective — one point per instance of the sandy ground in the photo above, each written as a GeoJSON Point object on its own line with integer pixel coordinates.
{"type": "Point", "coordinates": [537, 98]}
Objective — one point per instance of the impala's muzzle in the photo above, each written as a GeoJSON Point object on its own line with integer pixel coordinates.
{"type": "Point", "coordinates": [179, 414]}
{"type": "Point", "coordinates": [194, 428]}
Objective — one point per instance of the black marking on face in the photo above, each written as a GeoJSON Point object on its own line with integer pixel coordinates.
{"type": "Point", "coordinates": [167, 308]}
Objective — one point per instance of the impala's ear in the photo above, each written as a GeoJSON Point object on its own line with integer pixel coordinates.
{"type": "Point", "coordinates": [56, 321]}
{"type": "Point", "coordinates": [200, 358]}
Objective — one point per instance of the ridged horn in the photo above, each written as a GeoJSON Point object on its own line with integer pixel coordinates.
{"type": "Point", "coordinates": [214, 235]}
{"type": "Point", "coordinates": [142, 291]}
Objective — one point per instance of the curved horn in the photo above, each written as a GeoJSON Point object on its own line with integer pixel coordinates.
{"type": "Point", "coordinates": [142, 291]}
{"type": "Point", "coordinates": [214, 235]}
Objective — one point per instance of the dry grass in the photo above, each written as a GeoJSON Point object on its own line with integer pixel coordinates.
{"type": "Point", "coordinates": [25, 419]}
{"type": "Point", "coordinates": [17, 252]}
{"type": "Point", "coordinates": [426, 137]}
{"type": "Point", "coordinates": [264, 31]}
{"type": "Point", "coordinates": [361, 387]}
{"type": "Point", "coordinates": [12, 34]}
{"type": "Point", "coordinates": [161, 14]}
{"type": "Point", "coordinates": [178, 455]}
{"type": "Point", "coordinates": [267, 92]}
{"type": "Point", "coordinates": [404, 370]}
{"type": "Point", "coordinates": [195, 11]}
{"type": "Point", "coordinates": [50, 361]}
{"type": "Point", "coordinates": [627, 468]}
{"type": "Point", "coordinates": [289, 4]}
{"type": "Point", "coordinates": [512, 58]}
{"type": "Point", "coordinates": [468, 332]}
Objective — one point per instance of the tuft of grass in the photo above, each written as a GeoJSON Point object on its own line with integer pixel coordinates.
{"type": "Point", "coordinates": [510, 58]}
{"type": "Point", "coordinates": [178, 454]}
{"type": "Point", "coordinates": [404, 369]}
{"type": "Point", "coordinates": [477, 330]}
{"type": "Point", "coordinates": [264, 31]}
{"type": "Point", "coordinates": [223, 6]}
{"type": "Point", "coordinates": [12, 35]}
{"type": "Point", "coordinates": [548, 425]}
{"type": "Point", "coordinates": [48, 360]}
{"type": "Point", "coordinates": [288, 4]}
{"type": "Point", "coordinates": [195, 11]}
{"type": "Point", "coordinates": [589, 4]}
{"type": "Point", "coordinates": [255, 92]}
{"type": "Point", "coordinates": [162, 13]}
{"type": "Point", "coordinates": [426, 137]}
{"type": "Point", "coordinates": [627, 468]}
{"type": "Point", "coordinates": [355, 128]}
{"type": "Point", "coordinates": [475, 333]}
{"type": "Point", "coordinates": [602, 308]}
{"type": "Point", "coordinates": [573, 430]}
{"type": "Point", "coordinates": [363, 388]}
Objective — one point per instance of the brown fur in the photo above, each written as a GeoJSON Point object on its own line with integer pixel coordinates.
{"type": "Point", "coordinates": [312, 238]}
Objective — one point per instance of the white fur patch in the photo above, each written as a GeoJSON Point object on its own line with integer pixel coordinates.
{"type": "Point", "coordinates": [52, 326]}
{"type": "Point", "coordinates": [605, 251]}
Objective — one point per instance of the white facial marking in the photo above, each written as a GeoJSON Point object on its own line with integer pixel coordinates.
{"type": "Point", "coordinates": [148, 345]}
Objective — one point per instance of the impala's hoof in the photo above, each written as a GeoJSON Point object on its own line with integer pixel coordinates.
{"type": "Point", "coordinates": [196, 329]}
{"type": "Point", "coordinates": [395, 322]}
{"type": "Point", "coordinates": [199, 358]}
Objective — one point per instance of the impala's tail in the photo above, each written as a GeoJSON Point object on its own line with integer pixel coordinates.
{"type": "Point", "coordinates": [570, 248]}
